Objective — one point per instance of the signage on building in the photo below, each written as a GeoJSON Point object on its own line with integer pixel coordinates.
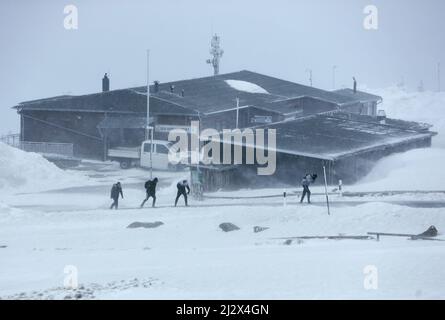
{"type": "Point", "coordinates": [167, 128]}
{"type": "Point", "coordinates": [261, 119]}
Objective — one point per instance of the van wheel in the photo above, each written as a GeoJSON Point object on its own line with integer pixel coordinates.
{"type": "Point", "coordinates": [125, 164]}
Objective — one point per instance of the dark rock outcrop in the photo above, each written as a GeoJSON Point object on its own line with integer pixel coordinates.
{"type": "Point", "coordinates": [148, 225]}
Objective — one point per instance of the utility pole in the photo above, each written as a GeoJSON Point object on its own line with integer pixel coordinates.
{"type": "Point", "coordinates": [334, 68]}
{"type": "Point", "coordinates": [148, 129]}
{"type": "Point", "coordinates": [438, 78]}
{"type": "Point", "coordinates": [310, 76]}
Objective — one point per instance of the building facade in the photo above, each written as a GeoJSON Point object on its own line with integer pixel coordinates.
{"type": "Point", "coordinates": [309, 122]}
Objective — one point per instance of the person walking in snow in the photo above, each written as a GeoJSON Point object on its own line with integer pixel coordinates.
{"type": "Point", "coordinates": [183, 190]}
{"type": "Point", "coordinates": [115, 191]}
{"type": "Point", "coordinates": [306, 182]}
{"type": "Point", "coordinates": [150, 188]}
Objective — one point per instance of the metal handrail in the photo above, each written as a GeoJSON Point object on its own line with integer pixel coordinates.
{"type": "Point", "coordinates": [63, 149]}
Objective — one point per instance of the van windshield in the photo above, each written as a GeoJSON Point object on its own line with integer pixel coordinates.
{"type": "Point", "coordinates": [161, 148]}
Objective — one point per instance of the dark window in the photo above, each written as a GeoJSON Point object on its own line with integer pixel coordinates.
{"type": "Point", "coordinates": [161, 149]}
{"type": "Point", "coordinates": [147, 147]}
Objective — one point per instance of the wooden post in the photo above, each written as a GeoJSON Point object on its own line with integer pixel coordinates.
{"type": "Point", "coordinates": [284, 198]}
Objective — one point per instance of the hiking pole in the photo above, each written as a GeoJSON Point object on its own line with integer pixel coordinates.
{"type": "Point", "coordinates": [326, 189]}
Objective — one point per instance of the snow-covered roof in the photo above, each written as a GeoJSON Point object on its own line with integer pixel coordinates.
{"type": "Point", "coordinates": [332, 136]}
{"type": "Point", "coordinates": [126, 101]}
{"type": "Point", "coordinates": [192, 96]}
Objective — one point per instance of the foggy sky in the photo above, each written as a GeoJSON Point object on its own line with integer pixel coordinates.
{"type": "Point", "coordinates": [282, 38]}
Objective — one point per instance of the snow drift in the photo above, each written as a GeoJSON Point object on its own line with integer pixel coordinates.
{"type": "Point", "coordinates": [246, 86]}
{"type": "Point", "coordinates": [29, 172]}
{"type": "Point", "coordinates": [419, 169]}
{"type": "Point", "coordinates": [416, 106]}
{"type": "Point", "coordinates": [416, 169]}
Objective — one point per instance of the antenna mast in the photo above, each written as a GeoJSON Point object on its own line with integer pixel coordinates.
{"type": "Point", "coordinates": [216, 52]}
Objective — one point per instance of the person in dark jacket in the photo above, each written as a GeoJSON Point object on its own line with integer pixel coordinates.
{"type": "Point", "coordinates": [308, 179]}
{"type": "Point", "coordinates": [183, 190]}
{"type": "Point", "coordinates": [115, 191]}
{"type": "Point", "coordinates": [150, 188]}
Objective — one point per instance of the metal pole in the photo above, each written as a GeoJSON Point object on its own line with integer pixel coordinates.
{"type": "Point", "coordinates": [22, 128]}
{"type": "Point", "coordinates": [438, 77]}
{"type": "Point", "coordinates": [151, 149]}
{"type": "Point", "coordinates": [237, 112]}
{"type": "Point", "coordinates": [310, 76]}
{"type": "Point", "coordinates": [326, 189]}
{"type": "Point", "coordinates": [147, 131]}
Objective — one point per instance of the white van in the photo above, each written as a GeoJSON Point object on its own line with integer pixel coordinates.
{"type": "Point", "coordinates": [140, 156]}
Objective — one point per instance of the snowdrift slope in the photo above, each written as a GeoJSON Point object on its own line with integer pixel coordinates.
{"type": "Point", "coordinates": [420, 169]}
{"type": "Point", "coordinates": [29, 172]}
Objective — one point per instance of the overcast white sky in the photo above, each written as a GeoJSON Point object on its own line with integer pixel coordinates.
{"type": "Point", "coordinates": [282, 38]}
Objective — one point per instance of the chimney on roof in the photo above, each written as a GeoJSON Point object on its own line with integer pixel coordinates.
{"type": "Point", "coordinates": [105, 83]}
{"type": "Point", "coordinates": [156, 86]}
{"type": "Point", "coordinates": [172, 88]}
{"type": "Point", "coordinates": [355, 85]}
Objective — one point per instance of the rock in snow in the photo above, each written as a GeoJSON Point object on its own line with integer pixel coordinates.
{"type": "Point", "coordinates": [257, 229]}
{"type": "Point", "coordinates": [431, 232]}
{"type": "Point", "coordinates": [288, 242]}
{"type": "Point", "coordinates": [148, 225]}
{"type": "Point", "coordinates": [227, 227]}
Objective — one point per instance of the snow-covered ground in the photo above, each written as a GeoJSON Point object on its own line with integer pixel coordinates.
{"type": "Point", "coordinates": [56, 224]}
{"type": "Point", "coordinates": [190, 257]}
{"type": "Point", "coordinates": [44, 234]}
